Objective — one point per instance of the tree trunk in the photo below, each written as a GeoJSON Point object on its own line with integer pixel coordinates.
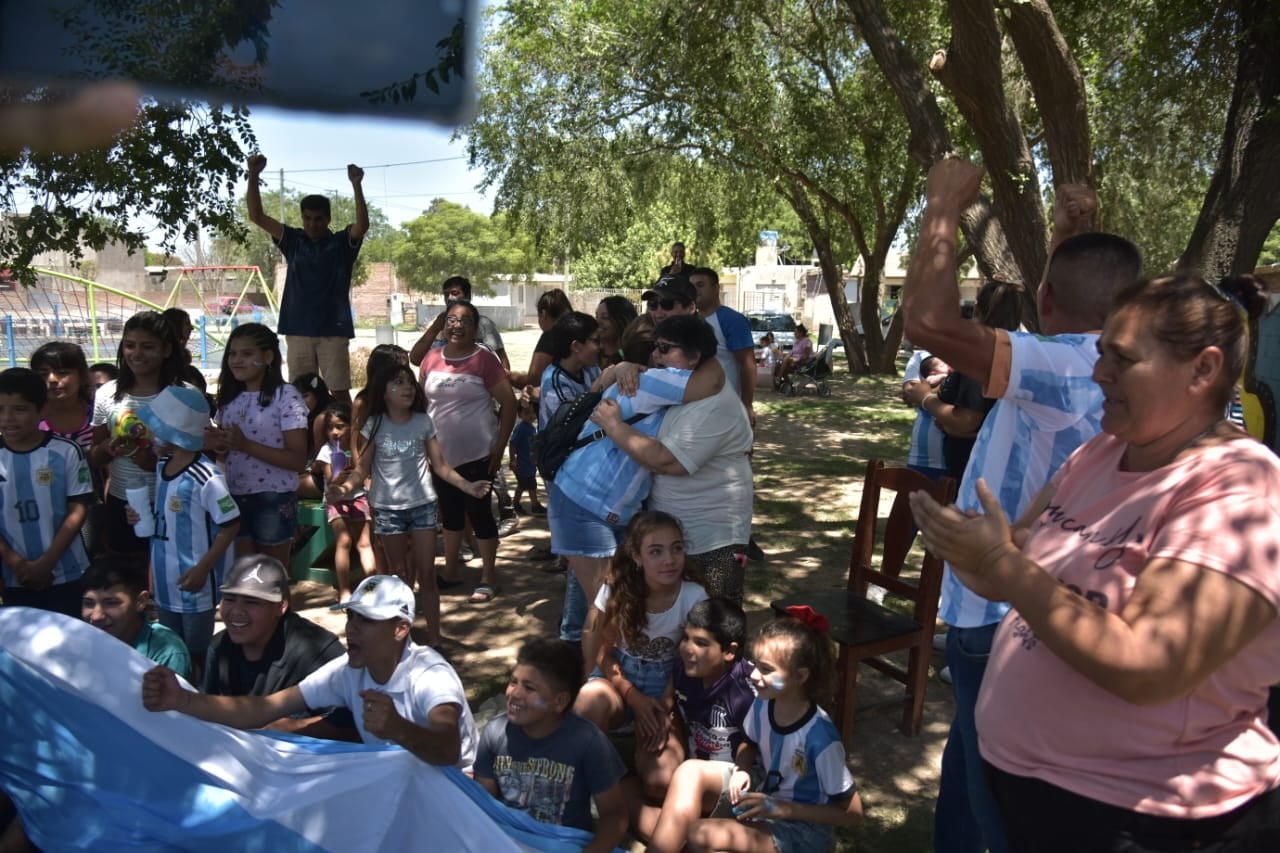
{"type": "Point", "coordinates": [930, 140]}
{"type": "Point", "coordinates": [798, 198]}
{"type": "Point", "coordinates": [1058, 87]}
{"type": "Point", "coordinates": [970, 69]}
{"type": "Point", "coordinates": [1242, 204]}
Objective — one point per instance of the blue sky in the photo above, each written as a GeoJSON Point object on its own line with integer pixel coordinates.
{"type": "Point", "coordinates": [314, 151]}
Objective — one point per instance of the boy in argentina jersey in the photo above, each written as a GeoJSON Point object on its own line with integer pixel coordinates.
{"type": "Point", "coordinates": [196, 519]}
{"type": "Point", "coordinates": [45, 490]}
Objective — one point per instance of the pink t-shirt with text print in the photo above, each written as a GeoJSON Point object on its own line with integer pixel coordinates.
{"type": "Point", "coordinates": [1204, 753]}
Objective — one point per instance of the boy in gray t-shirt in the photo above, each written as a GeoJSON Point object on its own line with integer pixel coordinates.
{"type": "Point", "coordinates": [541, 758]}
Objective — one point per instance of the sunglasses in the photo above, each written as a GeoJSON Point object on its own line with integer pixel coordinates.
{"type": "Point", "coordinates": [665, 347]}
{"type": "Point", "coordinates": [665, 304]}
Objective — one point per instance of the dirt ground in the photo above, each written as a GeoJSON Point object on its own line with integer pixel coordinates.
{"type": "Point", "coordinates": [897, 775]}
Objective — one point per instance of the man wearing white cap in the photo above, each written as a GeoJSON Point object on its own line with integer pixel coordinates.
{"type": "Point", "coordinates": [398, 692]}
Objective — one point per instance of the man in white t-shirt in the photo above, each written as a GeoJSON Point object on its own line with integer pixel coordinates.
{"type": "Point", "coordinates": [736, 350]}
{"type": "Point", "coordinates": [1047, 405]}
{"type": "Point", "coordinates": [398, 692]}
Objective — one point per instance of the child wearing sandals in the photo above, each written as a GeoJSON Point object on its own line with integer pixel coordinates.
{"type": "Point", "coordinates": [644, 603]}
{"type": "Point", "coordinates": [400, 441]}
{"type": "Point", "coordinates": [807, 789]}
{"type": "Point", "coordinates": [349, 518]}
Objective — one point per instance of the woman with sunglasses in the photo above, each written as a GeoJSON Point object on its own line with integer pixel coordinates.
{"type": "Point", "coordinates": [599, 487]}
{"type": "Point", "coordinates": [1124, 705]}
{"type": "Point", "coordinates": [702, 473]}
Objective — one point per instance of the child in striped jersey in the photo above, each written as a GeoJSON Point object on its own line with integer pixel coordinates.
{"type": "Point", "coordinates": [807, 788]}
{"type": "Point", "coordinates": [44, 494]}
{"type": "Point", "coordinates": [196, 520]}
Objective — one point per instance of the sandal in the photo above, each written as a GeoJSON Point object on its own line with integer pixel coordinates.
{"type": "Point", "coordinates": [483, 594]}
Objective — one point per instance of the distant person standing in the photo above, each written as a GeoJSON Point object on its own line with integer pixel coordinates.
{"type": "Point", "coordinates": [736, 350]}
{"type": "Point", "coordinates": [315, 307]}
{"type": "Point", "coordinates": [677, 265]}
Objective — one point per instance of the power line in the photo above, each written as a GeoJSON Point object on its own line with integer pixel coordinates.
{"type": "Point", "coordinates": [379, 166]}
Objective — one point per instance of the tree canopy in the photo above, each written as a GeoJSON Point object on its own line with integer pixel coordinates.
{"type": "Point", "coordinates": [450, 239]}
{"type": "Point", "coordinates": [583, 142]}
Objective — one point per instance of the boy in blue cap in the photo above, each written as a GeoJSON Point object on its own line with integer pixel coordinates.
{"type": "Point", "coordinates": [196, 519]}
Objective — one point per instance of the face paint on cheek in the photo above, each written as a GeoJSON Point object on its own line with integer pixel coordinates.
{"type": "Point", "coordinates": [539, 703]}
{"type": "Point", "coordinates": [775, 683]}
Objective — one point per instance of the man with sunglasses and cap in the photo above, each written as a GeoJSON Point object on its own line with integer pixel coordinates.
{"type": "Point", "coordinates": [398, 691]}
{"type": "Point", "coordinates": [670, 295]}
{"type": "Point", "coordinates": [266, 646]}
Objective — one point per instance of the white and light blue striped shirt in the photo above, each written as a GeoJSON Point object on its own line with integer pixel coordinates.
{"type": "Point", "coordinates": [926, 438]}
{"type": "Point", "coordinates": [190, 506]}
{"type": "Point", "coordinates": [600, 477]}
{"type": "Point", "coordinates": [803, 762]}
{"type": "Point", "coordinates": [1050, 407]}
{"type": "Point", "coordinates": [35, 488]}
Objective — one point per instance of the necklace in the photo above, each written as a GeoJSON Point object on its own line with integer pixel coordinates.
{"type": "Point", "coordinates": [1207, 431]}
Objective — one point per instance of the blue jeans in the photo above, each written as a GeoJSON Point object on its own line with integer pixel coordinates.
{"type": "Point", "coordinates": [966, 819]}
{"type": "Point", "coordinates": [574, 614]}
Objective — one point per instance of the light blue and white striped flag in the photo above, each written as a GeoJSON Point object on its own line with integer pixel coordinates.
{"type": "Point", "coordinates": [91, 769]}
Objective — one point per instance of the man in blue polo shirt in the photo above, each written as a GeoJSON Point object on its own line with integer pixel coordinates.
{"type": "Point", "coordinates": [315, 308]}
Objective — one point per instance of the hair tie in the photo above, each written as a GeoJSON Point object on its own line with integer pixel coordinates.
{"type": "Point", "coordinates": [810, 617]}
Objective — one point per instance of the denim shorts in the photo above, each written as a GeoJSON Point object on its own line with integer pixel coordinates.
{"type": "Point", "coordinates": [576, 532]}
{"type": "Point", "coordinates": [799, 836]}
{"type": "Point", "coordinates": [395, 522]}
{"type": "Point", "coordinates": [268, 518]}
{"type": "Point", "coordinates": [650, 677]}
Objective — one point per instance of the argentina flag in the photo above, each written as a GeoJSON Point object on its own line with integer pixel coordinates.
{"type": "Point", "coordinates": [90, 769]}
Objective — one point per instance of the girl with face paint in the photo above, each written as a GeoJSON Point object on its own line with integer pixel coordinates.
{"type": "Point", "coordinates": [807, 788]}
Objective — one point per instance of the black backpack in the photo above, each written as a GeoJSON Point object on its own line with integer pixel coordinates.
{"type": "Point", "coordinates": [554, 442]}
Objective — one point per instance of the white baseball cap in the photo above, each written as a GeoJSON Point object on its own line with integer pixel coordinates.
{"type": "Point", "coordinates": [381, 597]}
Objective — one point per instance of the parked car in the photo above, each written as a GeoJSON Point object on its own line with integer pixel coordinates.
{"type": "Point", "coordinates": [782, 324]}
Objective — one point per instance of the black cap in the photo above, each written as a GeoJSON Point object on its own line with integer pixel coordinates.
{"type": "Point", "coordinates": [675, 287]}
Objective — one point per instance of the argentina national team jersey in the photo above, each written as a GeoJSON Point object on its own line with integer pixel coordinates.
{"type": "Point", "coordinates": [803, 762]}
{"type": "Point", "coordinates": [35, 487]}
{"type": "Point", "coordinates": [190, 506]}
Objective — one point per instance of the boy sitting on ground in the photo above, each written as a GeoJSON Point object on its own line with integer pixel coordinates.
{"type": "Point", "coordinates": [713, 695]}
{"type": "Point", "coordinates": [115, 599]}
{"type": "Point", "coordinates": [541, 758]}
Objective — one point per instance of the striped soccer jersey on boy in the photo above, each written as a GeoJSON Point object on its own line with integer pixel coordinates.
{"type": "Point", "coordinates": [35, 487]}
{"type": "Point", "coordinates": [190, 506]}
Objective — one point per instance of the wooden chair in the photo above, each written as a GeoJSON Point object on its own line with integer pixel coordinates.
{"type": "Point", "coordinates": [864, 630]}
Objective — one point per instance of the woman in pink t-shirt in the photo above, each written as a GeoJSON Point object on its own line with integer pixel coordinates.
{"type": "Point", "coordinates": [463, 381]}
{"type": "Point", "coordinates": [1124, 705]}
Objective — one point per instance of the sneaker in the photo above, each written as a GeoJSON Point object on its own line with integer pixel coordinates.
{"type": "Point", "coordinates": [945, 675]}
{"type": "Point", "coordinates": [940, 642]}
{"type": "Point", "coordinates": [508, 524]}
{"type": "Point", "coordinates": [537, 509]}
{"type": "Point", "coordinates": [465, 554]}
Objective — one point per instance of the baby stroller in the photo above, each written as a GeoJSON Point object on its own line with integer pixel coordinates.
{"type": "Point", "coordinates": [811, 372]}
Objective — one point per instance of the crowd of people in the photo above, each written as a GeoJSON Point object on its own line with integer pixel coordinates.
{"type": "Point", "coordinates": [1112, 558]}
